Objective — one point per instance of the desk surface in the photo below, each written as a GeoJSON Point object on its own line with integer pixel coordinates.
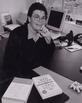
{"type": "Point", "coordinates": [64, 83]}
{"type": "Point", "coordinates": [67, 64]}
{"type": "Point", "coordinates": [64, 63]}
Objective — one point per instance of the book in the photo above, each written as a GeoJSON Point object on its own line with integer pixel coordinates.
{"type": "Point", "coordinates": [46, 86]}
{"type": "Point", "coordinates": [18, 91]}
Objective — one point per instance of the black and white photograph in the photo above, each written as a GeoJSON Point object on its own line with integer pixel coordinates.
{"type": "Point", "coordinates": [40, 51]}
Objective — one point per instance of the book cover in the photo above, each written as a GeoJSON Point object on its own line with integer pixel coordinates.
{"type": "Point", "coordinates": [46, 86]}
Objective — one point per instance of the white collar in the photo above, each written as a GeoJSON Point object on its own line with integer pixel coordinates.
{"type": "Point", "coordinates": [33, 34]}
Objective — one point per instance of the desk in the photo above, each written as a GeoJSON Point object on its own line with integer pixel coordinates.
{"type": "Point", "coordinates": [67, 64]}
{"type": "Point", "coordinates": [64, 83]}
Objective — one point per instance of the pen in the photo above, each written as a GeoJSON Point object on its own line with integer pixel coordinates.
{"type": "Point", "coordinates": [70, 48]}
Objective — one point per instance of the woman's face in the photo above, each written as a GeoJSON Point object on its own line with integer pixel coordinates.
{"type": "Point", "coordinates": [37, 20]}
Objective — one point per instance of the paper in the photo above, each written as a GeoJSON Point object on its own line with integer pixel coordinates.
{"type": "Point", "coordinates": [73, 47]}
{"type": "Point", "coordinates": [12, 26]}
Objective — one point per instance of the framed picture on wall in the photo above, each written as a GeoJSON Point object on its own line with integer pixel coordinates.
{"type": "Point", "coordinates": [6, 19]}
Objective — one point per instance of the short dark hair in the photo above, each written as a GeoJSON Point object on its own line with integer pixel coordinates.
{"type": "Point", "coordinates": [36, 6]}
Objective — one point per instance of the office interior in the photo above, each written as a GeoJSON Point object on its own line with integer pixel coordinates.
{"type": "Point", "coordinates": [18, 10]}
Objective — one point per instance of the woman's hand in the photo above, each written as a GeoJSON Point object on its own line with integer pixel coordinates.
{"type": "Point", "coordinates": [44, 32]}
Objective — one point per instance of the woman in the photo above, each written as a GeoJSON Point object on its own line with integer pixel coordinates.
{"type": "Point", "coordinates": [29, 45]}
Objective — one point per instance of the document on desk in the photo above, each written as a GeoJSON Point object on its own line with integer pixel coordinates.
{"type": "Point", "coordinates": [74, 47]}
{"type": "Point", "coordinates": [12, 26]}
{"type": "Point", "coordinates": [18, 91]}
{"type": "Point", "coordinates": [46, 86]}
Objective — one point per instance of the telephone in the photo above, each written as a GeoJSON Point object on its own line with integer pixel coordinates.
{"type": "Point", "coordinates": [44, 31]}
{"type": "Point", "coordinates": [78, 38]}
{"type": "Point", "coordinates": [68, 38]}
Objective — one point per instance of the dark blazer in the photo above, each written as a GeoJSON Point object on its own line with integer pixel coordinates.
{"type": "Point", "coordinates": [21, 54]}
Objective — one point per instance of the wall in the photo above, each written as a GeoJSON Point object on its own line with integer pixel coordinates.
{"type": "Point", "coordinates": [74, 9]}
{"type": "Point", "coordinates": [71, 26]}
{"type": "Point", "coordinates": [14, 7]}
